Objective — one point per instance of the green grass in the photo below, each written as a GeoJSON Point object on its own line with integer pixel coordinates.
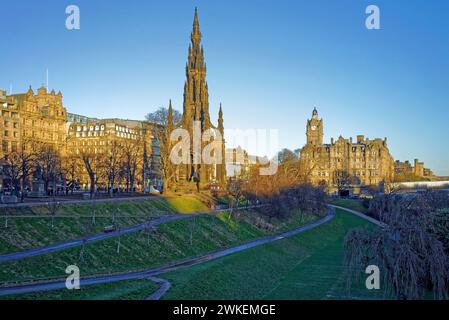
{"type": "Point", "coordinates": [35, 231]}
{"type": "Point", "coordinates": [187, 204]}
{"type": "Point", "coordinates": [140, 250]}
{"type": "Point", "coordinates": [124, 290]}
{"type": "Point", "coordinates": [306, 266]}
{"type": "Point", "coordinates": [353, 204]}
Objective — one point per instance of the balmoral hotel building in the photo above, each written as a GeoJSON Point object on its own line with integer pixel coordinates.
{"type": "Point", "coordinates": [363, 162]}
{"type": "Point", "coordinates": [41, 119]}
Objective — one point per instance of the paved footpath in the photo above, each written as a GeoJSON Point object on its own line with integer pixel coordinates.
{"type": "Point", "coordinates": [359, 214]}
{"type": "Point", "coordinates": [65, 201]}
{"type": "Point", "coordinates": [145, 274]}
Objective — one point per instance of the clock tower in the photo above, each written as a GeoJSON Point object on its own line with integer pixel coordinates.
{"type": "Point", "coordinates": [314, 130]}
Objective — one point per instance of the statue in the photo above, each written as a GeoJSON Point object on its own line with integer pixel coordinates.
{"type": "Point", "coordinates": [38, 186]}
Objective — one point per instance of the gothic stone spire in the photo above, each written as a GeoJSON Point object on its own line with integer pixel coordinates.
{"type": "Point", "coordinates": [196, 96]}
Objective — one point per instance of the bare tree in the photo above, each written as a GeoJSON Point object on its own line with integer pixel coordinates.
{"type": "Point", "coordinates": [11, 169]}
{"type": "Point", "coordinates": [70, 166]}
{"type": "Point", "coordinates": [408, 250]}
{"type": "Point", "coordinates": [49, 162]}
{"type": "Point", "coordinates": [53, 207]}
{"type": "Point", "coordinates": [160, 116]}
{"type": "Point", "coordinates": [286, 155]}
{"type": "Point", "coordinates": [165, 121]}
{"type": "Point", "coordinates": [19, 165]}
{"type": "Point", "coordinates": [235, 190]}
{"type": "Point", "coordinates": [110, 167]}
{"type": "Point", "coordinates": [132, 159]}
{"type": "Point", "coordinates": [92, 163]}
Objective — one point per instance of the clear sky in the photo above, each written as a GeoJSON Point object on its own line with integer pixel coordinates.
{"type": "Point", "coordinates": [269, 62]}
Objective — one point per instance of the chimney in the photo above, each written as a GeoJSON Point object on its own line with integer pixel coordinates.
{"type": "Point", "coordinates": [360, 138]}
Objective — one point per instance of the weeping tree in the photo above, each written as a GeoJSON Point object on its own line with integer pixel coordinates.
{"type": "Point", "coordinates": [408, 250]}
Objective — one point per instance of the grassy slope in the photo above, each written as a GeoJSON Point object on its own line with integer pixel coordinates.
{"type": "Point", "coordinates": [124, 290]}
{"type": "Point", "coordinates": [34, 232]}
{"type": "Point", "coordinates": [139, 250]}
{"type": "Point", "coordinates": [307, 266]}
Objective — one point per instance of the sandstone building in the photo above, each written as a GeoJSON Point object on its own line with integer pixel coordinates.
{"type": "Point", "coordinates": [127, 144]}
{"type": "Point", "coordinates": [39, 118]}
{"type": "Point", "coordinates": [31, 121]}
{"type": "Point", "coordinates": [344, 163]}
{"type": "Point", "coordinates": [405, 171]}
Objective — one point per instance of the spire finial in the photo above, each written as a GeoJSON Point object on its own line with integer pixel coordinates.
{"type": "Point", "coordinates": [195, 19]}
{"type": "Point", "coordinates": [170, 116]}
{"type": "Point", "coordinates": [220, 119]}
{"type": "Point", "coordinates": [196, 34]}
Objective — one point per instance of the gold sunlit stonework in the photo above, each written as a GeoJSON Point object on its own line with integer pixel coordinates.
{"type": "Point", "coordinates": [196, 109]}
{"type": "Point", "coordinates": [343, 163]}
{"type": "Point", "coordinates": [109, 142]}
{"type": "Point", "coordinates": [40, 118]}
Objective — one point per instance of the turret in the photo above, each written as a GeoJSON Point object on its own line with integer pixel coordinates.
{"type": "Point", "coordinates": [314, 130]}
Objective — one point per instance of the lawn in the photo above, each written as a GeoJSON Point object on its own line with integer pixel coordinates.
{"type": "Point", "coordinates": [75, 221]}
{"type": "Point", "coordinates": [125, 290]}
{"type": "Point", "coordinates": [353, 204]}
{"type": "Point", "coordinates": [149, 248]}
{"type": "Point", "coordinates": [306, 266]}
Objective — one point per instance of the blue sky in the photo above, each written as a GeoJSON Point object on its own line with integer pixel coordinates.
{"type": "Point", "coordinates": [269, 63]}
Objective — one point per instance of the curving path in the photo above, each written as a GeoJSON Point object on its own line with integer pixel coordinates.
{"type": "Point", "coordinates": [163, 288]}
{"type": "Point", "coordinates": [102, 236]}
{"type": "Point", "coordinates": [359, 214]}
{"type": "Point", "coordinates": [150, 273]}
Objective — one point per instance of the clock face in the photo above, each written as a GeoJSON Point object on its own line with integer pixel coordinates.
{"type": "Point", "coordinates": [313, 128]}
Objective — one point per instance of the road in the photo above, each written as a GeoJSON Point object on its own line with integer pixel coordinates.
{"type": "Point", "coordinates": [102, 236]}
{"type": "Point", "coordinates": [145, 274]}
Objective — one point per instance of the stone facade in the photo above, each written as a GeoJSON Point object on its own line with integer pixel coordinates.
{"type": "Point", "coordinates": [124, 138]}
{"type": "Point", "coordinates": [29, 117]}
{"type": "Point", "coordinates": [28, 122]}
{"type": "Point", "coordinates": [32, 120]}
{"type": "Point", "coordinates": [405, 170]}
{"type": "Point", "coordinates": [364, 162]}
{"type": "Point", "coordinates": [196, 117]}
